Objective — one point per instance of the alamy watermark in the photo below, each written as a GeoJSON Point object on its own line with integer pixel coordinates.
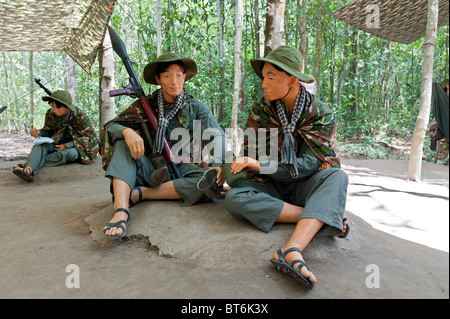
{"type": "Point", "coordinates": [373, 19]}
{"type": "Point", "coordinates": [373, 280]}
{"type": "Point", "coordinates": [188, 146]}
{"type": "Point", "coordinates": [73, 279]}
{"type": "Point", "coordinates": [74, 16]}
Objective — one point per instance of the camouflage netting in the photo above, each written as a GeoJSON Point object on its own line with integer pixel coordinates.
{"type": "Point", "coordinates": [74, 26]}
{"type": "Point", "coordinates": [399, 20]}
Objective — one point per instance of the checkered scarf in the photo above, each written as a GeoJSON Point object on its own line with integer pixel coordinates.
{"type": "Point", "coordinates": [165, 120]}
{"type": "Point", "coordinates": [288, 156]}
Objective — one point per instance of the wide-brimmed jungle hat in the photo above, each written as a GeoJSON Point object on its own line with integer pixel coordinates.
{"type": "Point", "coordinates": [189, 65]}
{"type": "Point", "coordinates": [61, 96]}
{"type": "Point", "coordinates": [285, 57]}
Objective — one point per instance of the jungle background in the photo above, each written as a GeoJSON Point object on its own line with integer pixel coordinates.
{"type": "Point", "coordinates": [373, 85]}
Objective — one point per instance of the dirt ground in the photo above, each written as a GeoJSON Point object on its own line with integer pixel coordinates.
{"type": "Point", "coordinates": [54, 224]}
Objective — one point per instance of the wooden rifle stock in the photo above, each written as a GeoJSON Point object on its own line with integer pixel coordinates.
{"type": "Point", "coordinates": [148, 110]}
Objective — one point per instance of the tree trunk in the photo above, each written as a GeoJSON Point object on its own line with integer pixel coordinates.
{"type": "Point", "coordinates": [220, 16]}
{"type": "Point", "coordinates": [107, 81]}
{"type": "Point", "coordinates": [354, 71]}
{"type": "Point", "coordinates": [238, 22]}
{"type": "Point", "coordinates": [158, 28]}
{"type": "Point", "coordinates": [286, 22]}
{"type": "Point", "coordinates": [319, 46]}
{"type": "Point", "coordinates": [69, 80]}
{"type": "Point", "coordinates": [257, 30]}
{"type": "Point", "coordinates": [302, 32]}
{"type": "Point", "coordinates": [343, 67]}
{"type": "Point", "coordinates": [8, 92]}
{"type": "Point", "coordinates": [274, 32]}
{"type": "Point", "coordinates": [31, 91]}
{"type": "Point", "coordinates": [333, 63]}
{"type": "Point", "coordinates": [415, 160]}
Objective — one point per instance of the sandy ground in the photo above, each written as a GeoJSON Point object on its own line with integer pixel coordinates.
{"type": "Point", "coordinates": [399, 234]}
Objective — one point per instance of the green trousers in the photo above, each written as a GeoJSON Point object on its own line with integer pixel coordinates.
{"type": "Point", "coordinates": [137, 173]}
{"type": "Point", "coordinates": [44, 155]}
{"type": "Point", "coordinates": [323, 196]}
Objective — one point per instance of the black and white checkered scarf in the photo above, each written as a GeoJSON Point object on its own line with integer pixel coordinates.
{"type": "Point", "coordinates": [288, 156]}
{"type": "Point", "coordinates": [165, 120]}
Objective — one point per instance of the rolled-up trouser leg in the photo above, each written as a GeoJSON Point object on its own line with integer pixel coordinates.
{"type": "Point", "coordinates": [323, 197]}
{"type": "Point", "coordinates": [37, 156]}
{"type": "Point", "coordinates": [259, 203]}
{"type": "Point", "coordinates": [61, 157]}
{"type": "Point", "coordinates": [186, 186]}
{"type": "Point", "coordinates": [124, 167]}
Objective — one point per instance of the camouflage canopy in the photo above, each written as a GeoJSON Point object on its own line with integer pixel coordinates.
{"type": "Point", "coordinates": [395, 20]}
{"type": "Point", "coordinates": [74, 26]}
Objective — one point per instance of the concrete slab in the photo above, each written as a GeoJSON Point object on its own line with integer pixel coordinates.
{"type": "Point", "coordinates": [204, 252]}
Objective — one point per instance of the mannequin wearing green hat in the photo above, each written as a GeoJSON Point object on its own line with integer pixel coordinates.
{"type": "Point", "coordinates": [131, 157]}
{"type": "Point", "coordinates": [308, 187]}
{"type": "Point", "coordinates": [72, 132]}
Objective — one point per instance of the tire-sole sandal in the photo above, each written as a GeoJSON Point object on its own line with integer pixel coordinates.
{"type": "Point", "coordinates": [345, 234]}
{"type": "Point", "coordinates": [118, 224]}
{"type": "Point", "coordinates": [140, 196]}
{"type": "Point", "coordinates": [23, 175]}
{"type": "Point", "coordinates": [282, 264]}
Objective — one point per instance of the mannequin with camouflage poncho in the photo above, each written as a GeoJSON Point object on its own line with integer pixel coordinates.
{"type": "Point", "coordinates": [73, 135]}
{"type": "Point", "coordinates": [131, 151]}
{"type": "Point", "coordinates": [307, 186]}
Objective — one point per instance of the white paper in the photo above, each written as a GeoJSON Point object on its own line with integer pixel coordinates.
{"type": "Point", "coordinates": [42, 140]}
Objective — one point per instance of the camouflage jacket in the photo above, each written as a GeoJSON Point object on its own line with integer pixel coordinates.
{"type": "Point", "coordinates": [78, 125]}
{"type": "Point", "coordinates": [317, 127]}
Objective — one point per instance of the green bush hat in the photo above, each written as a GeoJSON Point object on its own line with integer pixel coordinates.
{"type": "Point", "coordinates": [189, 65]}
{"type": "Point", "coordinates": [285, 57]}
{"type": "Point", "coordinates": [61, 96]}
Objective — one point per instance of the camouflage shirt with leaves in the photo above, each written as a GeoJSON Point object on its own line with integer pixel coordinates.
{"type": "Point", "coordinates": [317, 127]}
{"type": "Point", "coordinates": [78, 126]}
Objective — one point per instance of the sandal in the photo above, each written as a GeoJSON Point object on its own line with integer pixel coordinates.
{"type": "Point", "coordinates": [22, 173]}
{"type": "Point", "coordinates": [118, 224]}
{"type": "Point", "coordinates": [140, 196]}
{"type": "Point", "coordinates": [345, 234]}
{"type": "Point", "coordinates": [289, 268]}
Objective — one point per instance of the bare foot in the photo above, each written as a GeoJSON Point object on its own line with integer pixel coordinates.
{"type": "Point", "coordinates": [116, 231]}
{"type": "Point", "coordinates": [344, 228]}
{"type": "Point", "coordinates": [22, 165]}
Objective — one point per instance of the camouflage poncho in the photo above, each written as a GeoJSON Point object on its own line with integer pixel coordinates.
{"type": "Point", "coordinates": [134, 114]}
{"type": "Point", "coordinates": [317, 126]}
{"type": "Point", "coordinates": [134, 117]}
{"type": "Point", "coordinates": [79, 126]}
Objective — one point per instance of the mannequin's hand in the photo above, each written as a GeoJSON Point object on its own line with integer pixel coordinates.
{"type": "Point", "coordinates": [135, 143]}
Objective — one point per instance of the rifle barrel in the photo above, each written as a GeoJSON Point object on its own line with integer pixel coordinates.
{"type": "Point", "coordinates": [38, 82]}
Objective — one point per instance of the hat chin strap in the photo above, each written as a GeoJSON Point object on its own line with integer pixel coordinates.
{"type": "Point", "coordinates": [175, 97]}
{"type": "Point", "coordinates": [286, 94]}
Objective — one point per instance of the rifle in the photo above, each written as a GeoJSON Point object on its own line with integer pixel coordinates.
{"type": "Point", "coordinates": [38, 82]}
{"type": "Point", "coordinates": [134, 89]}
